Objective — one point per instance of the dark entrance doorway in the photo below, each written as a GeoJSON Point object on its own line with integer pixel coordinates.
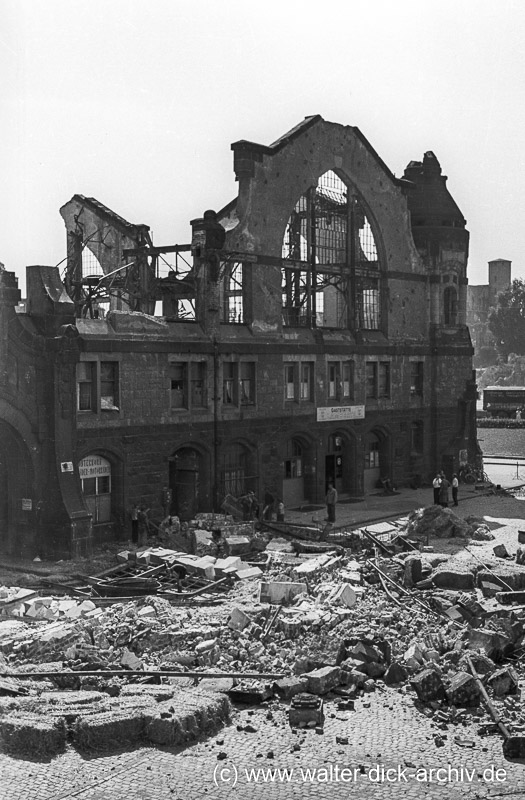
{"type": "Point", "coordinates": [334, 462]}
{"type": "Point", "coordinates": [184, 483]}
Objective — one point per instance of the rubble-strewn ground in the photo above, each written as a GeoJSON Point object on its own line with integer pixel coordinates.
{"type": "Point", "coordinates": [398, 695]}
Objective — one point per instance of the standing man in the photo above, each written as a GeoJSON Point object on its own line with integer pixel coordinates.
{"type": "Point", "coordinates": [436, 484]}
{"type": "Point", "coordinates": [443, 491]}
{"type": "Point", "coordinates": [331, 500]}
{"type": "Point", "coordinates": [134, 513]}
{"type": "Point", "coordinates": [455, 487]}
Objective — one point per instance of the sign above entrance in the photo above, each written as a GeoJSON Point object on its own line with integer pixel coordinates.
{"type": "Point", "coordinates": [329, 413]}
{"type": "Point", "coordinates": [94, 467]}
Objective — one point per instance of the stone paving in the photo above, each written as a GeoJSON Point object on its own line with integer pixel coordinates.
{"type": "Point", "coordinates": [390, 752]}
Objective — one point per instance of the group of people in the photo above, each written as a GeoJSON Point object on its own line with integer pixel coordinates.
{"type": "Point", "coordinates": [441, 485]}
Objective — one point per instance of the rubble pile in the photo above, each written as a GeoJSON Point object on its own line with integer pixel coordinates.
{"type": "Point", "coordinates": [328, 623]}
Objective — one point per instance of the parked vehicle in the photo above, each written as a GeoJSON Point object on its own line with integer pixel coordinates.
{"type": "Point", "coordinates": [504, 401]}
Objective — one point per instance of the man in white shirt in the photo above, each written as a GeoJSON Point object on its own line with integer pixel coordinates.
{"type": "Point", "coordinates": [436, 485]}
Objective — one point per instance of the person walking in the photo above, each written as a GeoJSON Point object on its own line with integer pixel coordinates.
{"type": "Point", "coordinates": [443, 491]}
{"type": "Point", "coordinates": [436, 485]}
{"type": "Point", "coordinates": [331, 500]}
{"type": "Point", "coordinates": [280, 511]}
{"type": "Point", "coordinates": [455, 487]}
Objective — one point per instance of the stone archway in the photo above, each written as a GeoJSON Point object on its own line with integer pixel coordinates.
{"type": "Point", "coordinates": [377, 459]}
{"type": "Point", "coordinates": [189, 482]}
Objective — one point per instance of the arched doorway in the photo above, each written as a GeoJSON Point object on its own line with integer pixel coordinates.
{"type": "Point", "coordinates": [377, 459]}
{"type": "Point", "coordinates": [293, 476]}
{"type": "Point", "coordinates": [372, 471]}
{"type": "Point", "coordinates": [336, 463]}
{"type": "Point", "coordinates": [185, 482]}
{"type": "Point", "coordinates": [95, 475]}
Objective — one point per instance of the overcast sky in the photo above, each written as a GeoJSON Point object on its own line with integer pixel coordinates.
{"type": "Point", "coordinates": [136, 103]}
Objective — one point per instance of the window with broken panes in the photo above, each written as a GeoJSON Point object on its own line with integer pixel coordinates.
{"type": "Point", "coordinates": [109, 400]}
{"type": "Point", "coordinates": [229, 383]}
{"type": "Point", "coordinates": [247, 383]}
{"type": "Point", "coordinates": [289, 381]}
{"type": "Point", "coordinates": [307, 381]}
{"type": "Point", "coordinates": [232, 293]}
{"type": "Point", "coordinates": [330, 273]}
{"type": "Point", "coordinates": [86, 382]}
{"type": "Point", "coordinates": [178, 388]}
{"type": "Point", "coordinates": [198, 384]}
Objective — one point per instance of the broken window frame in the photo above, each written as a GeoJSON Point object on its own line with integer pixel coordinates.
{"type": "Point", "coordinates": [109, 386]}
{"type": "Point", "coordinates": [306, 384]}
{"type": "Point", "coordinates": [99, 384]}
{"type": "Point", "coordinates": [86, 385]}
{"type": "Point", "coordinates": [229, 383]}
{"type": "Point", "coordinates": [290, 381]}
{"type": "Point", "coordinates": [232, 293]}
{"type": "Point", "coordinates": [247, 383]}
{"type": "Point", "coordinates": [329, 241]}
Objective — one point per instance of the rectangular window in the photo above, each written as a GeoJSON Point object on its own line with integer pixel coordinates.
{"type": "Point", "coordinates": [247, 383]}
{"type": "Point", "coordinates": [229, 370]}
{"type": "Point", "coordinates": [384, 379]}
{"type": "Point", "coordinates": [348, 380]}
{"type": "Point", "coordinates": [371, 379]}
{"type": "Point", "coordinates": [307, 381]}
{"type": "Point", "coordinates": [109, 386]}
{"type": "Point", "coordinates": [333, 380]}
{"type": "Point", "coordinates": [86, 378]}
{"type": "Point", "coordinates": [232, 301]}
{"type": "Point", "coordinates": [178, 394]}
{"type": "Point", "coordinates": [198, 384]}
{"type": "Point", "coordinates": [370, 306]}
{"type": "Point", "coordinates": [289, 381]}
{"type": "Point", "coordinates": [416, 378]}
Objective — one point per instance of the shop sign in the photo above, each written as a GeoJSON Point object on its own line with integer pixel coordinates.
{"type": "Point", "coordinates": [94, 467]}
{"type": "Point", "coordinates": [331, 413]}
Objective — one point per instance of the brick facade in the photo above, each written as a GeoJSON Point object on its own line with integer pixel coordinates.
{"type": "Point", "coordinates": [345, 359]}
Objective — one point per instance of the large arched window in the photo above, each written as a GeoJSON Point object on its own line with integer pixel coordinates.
{"type": "Point", "coordinates": [331, 275]}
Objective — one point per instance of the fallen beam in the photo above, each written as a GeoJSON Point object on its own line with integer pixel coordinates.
{"type": "Point", "coordinates": [162, 673]}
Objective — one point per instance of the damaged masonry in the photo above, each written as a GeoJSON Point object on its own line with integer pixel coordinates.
{"type": "Point", "coordinates": [311, 331]}
{"type": "Point", "coordinates": [308, 628]}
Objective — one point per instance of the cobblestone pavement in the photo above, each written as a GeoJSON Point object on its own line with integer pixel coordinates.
{"type": "Point", "coordinates": [385, 732]}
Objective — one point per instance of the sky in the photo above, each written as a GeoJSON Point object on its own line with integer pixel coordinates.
{"type": "Point", "coordinates": [137, 103]}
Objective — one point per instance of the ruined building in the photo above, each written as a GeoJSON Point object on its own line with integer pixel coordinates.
{"type": "Point", "coordinates": [313, 330]}
{"type": "Point", "coordinates": [480, 299]}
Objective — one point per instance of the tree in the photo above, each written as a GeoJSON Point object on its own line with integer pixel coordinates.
{"type": "Point", "coordinates": [506, 320]}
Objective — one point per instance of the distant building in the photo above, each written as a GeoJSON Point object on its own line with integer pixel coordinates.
{"type": "Point", "coordinates": [480, 299]}
{"type": "Point", "coordinates": [314, 330]}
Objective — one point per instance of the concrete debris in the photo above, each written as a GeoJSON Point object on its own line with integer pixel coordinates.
{"type": "Point", "coordinates": [322, 620]}
{"type": "Point", "coordinates": [436, 521]}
